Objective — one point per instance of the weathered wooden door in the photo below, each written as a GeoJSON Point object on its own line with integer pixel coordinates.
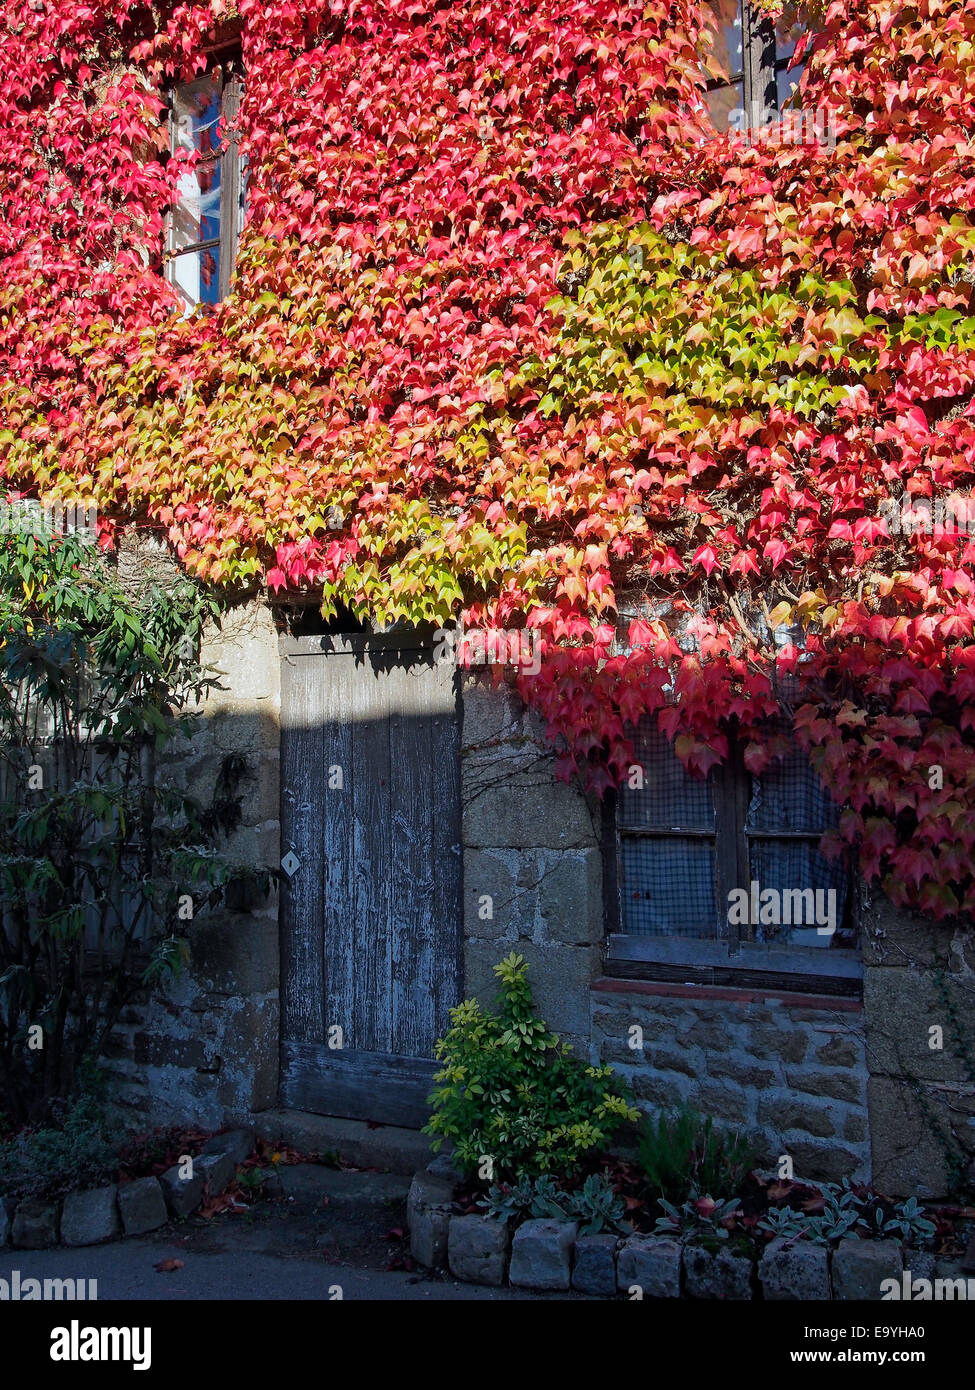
{"type": "Point", "coordinates": [371, 912]}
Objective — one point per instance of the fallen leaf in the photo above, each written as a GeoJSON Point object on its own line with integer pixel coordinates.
{"type": "Point", "coordinates": [168, 1266]}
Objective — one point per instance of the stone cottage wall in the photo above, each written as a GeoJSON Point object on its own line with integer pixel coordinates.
{"type": "Point", "coordinates": [919, 998]}
{"type": "Point", "coordinates": [206, 1050]}
{"type": "Point", "coordinates": [789, 1071]}
{"type": "Point", "coordinates": [532, 868]}
{"type": "Point", "coordinates": [844, 1088]}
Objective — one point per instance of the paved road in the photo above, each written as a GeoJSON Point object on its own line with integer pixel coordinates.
{"type": "Point", "coordinates": [124, 1270]}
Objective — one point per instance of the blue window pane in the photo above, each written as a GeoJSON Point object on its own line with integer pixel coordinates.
{"type": "Point", "coordinates": [196, 216]}
{"type": "Point", "coordinates": [786, 82]}
{"type": "Point", "coordinates": [667, 888]}
{"type": "Point", "coordinates": [810, 893]}
{"type": "Point", "coordinates": [789, 29]}
{"type": "Point", "coordinates": [670, 799]}
{"type": "Point", "coordinates": [790, 796]}
{"type": "Point", "coordinates": [727, 40]}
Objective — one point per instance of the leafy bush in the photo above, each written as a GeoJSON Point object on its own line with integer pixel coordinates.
{"type": "Point", "coordinates": [96, 848]}
{"type": "Point", "coordinates": [595, 1205]}
{"type": "Point", "coordinates": [513, 1099]}
{"type": "Point", "coordinates": [50, 1162]}
{"type": "Point", "coordinates": [682, 1152]}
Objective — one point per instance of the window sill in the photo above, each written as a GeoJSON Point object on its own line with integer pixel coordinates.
{"type": "Point", "coordinates": [805, 970]}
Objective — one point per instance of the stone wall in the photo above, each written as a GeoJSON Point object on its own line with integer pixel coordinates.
{"type": "Point", "coordinates": [919, 998]}
{"type": "Point", "coordinates": [845, 1089]}
{"type": "Point", "coordinates": [804, 1075]}
{"type": "Point", "coordinates": [790, 1073]}
{"type": "Point", "coordinates": [532, 869]}
{"type": "Point", "coordinates": [206, 1051]}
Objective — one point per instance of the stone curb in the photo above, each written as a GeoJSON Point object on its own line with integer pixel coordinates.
{"type": "Point", "coordinates": [550, 1255]}
{"type": "Point", "coordinates": [95, 1215]}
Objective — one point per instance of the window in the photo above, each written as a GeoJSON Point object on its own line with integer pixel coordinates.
{"type": "Point", "coordinates": [755, 52]}
{"type": "Point", "coordinates": [721, 880]}
{"type": "Point", "coordinates": [206, 220]}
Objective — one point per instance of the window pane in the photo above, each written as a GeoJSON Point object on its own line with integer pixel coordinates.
{"type": "Point", "coordinates": [727, 39]}
{"type": "Point", "coordinates": [196, 217]}
{"type": "Point", "coordinates": [671, 798]}
{"type": "Point", "coordinates": [789, 28]}
{"type": "Point", "coordinates": [196, 274]}
{"type": "Point", "coordinates": [667, 888]}
{"type": "Point", "coordinates": [789, 796]}
{"type": "Point", "coordinates": [726, 106]}
{"type": "Point", "coordinates": [810, 891]}
{"type": "Point", "coordinates": [786, 82]}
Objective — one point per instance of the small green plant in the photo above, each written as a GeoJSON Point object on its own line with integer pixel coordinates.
{"type": "Point", "coordinates": [908, 1223]}
{"type": "Point", "coordinates": [681, 1151]}
{"type": "Point", "coordinates": [697, 1218]}
{"type": "Point", "coordinates": [844, 1211]}
{"type": "Point", "coordinates": [595, 1205]}
{"type": "Point", "coordinates": [597, 1208]}
{"type": "Point", "coordinates": [251, 1181]}
{"type": "Point", "coordinates": [513, 1099]}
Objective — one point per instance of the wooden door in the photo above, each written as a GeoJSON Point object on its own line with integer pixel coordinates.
{"type": "Point", "coordinates": [371, 914]}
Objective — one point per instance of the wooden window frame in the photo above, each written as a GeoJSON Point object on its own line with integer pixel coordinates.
{"type": "Point", "coordinates": [225, 59]}
{"type": "Point", "coordinates": [727, 958]}
{"type": "Point", "coordinates": [760, 66]}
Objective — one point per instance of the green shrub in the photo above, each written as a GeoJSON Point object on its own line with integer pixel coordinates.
{"type": "Point", "coordinates": [513, 1099]}
{"type": "Point", "coordinates": [681, 1152]}
{"type": "Point", "coordinates": [50, 1162]}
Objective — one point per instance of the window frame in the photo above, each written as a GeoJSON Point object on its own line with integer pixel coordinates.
{"type": "Point", "coordinates": [227, 60]}
{"type": "Point", "coordinates": [727, 958]}
{"type": "Point", "coordinates": [760, 66]}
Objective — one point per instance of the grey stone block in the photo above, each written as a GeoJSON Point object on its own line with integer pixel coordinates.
{"type": "Point", "coordinates": [594, 1265]}
{"type": "Point", "coordinates": [900, 1006]}
{"type": "Point", "coordinates": [217, 1170]}
{"type": "Point", "coordinates": [652, 1264]}
{"type": "Point", "coordinates": [541, 1254]}
{"type": "Point", "coordinates": [794, 1270]}
{"type": "Point", "coordinates": [722, 1274]}
{"type": "Point", "coordinates": [443, 1167]}
{"type": "Point", "coordinates": [428, 1212]}
{"type": "Point", "coordinates": [477, 1249]}
{"type": "Point", "coordinates": [35, 1225]}
{"type": "Point", "coordinates": [570, 897]}
{"type": "Point", "coordinates": [920, 1264]}
{"type": "Point", "coordinates": [534, 812]}
{"type": "Point", "coordinates": [183, 1195]}
{"type": "Point", "coordinates": [88, 1218]}
{"type": "Point", "coordinates": [909, 1158]}
{"type": "Point", "coordinates": [238, 1143]}
{"type": "Point", "coordinates": [142, 1206]}
{"type": "Point", "coordinates": [860, 1266]}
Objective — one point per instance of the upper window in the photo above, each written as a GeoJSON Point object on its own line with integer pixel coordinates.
{"type": "Point", "coordinates": [207, 217]}
{"type": "Point", "coordinates": [755, 53]}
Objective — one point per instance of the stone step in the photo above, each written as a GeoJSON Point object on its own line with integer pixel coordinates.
{"type": "Point", "coordinates": [309, 1183]}
{"type": "Point", "coordinates": [387, 1147]}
